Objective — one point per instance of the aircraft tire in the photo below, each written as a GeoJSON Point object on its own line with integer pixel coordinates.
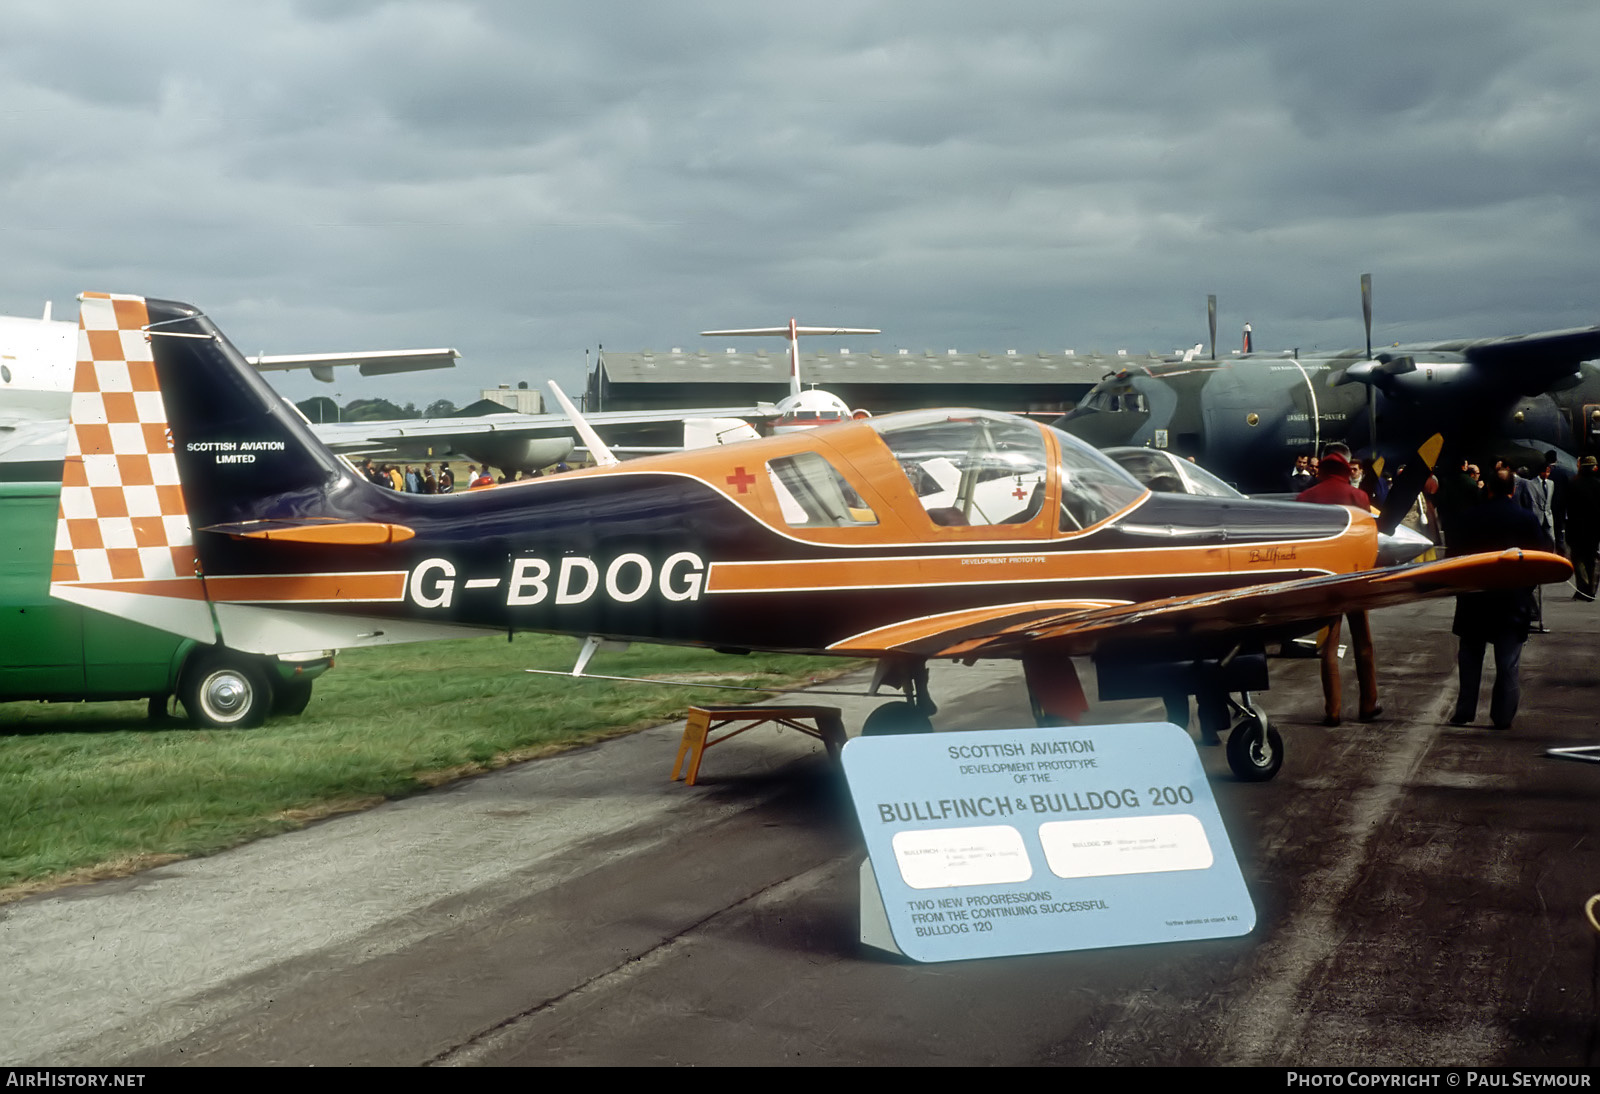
{"type": "Point", "coordinates": [290, 698]}
{"type": "Point", "coordinates": [1250, 762]}
{"type": "Point", "coordinates": [222, 689]}
{"type": "Point", "coordinates": [896, 717]}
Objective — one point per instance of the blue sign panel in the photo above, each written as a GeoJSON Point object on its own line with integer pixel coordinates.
{"type": "Point", "coordinates": [1036, 840]}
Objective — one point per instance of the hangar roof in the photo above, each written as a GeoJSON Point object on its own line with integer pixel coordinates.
{"type": "Point", "coordinates": [843, 366]}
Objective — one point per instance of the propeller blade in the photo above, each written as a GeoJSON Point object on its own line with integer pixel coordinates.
{"type": "Point", "coordinates": [1372, 394]}
{"type": "Point", "coordinates": [1211, 315]}
{"type": "Point", "coordinates": [1366, 309]}
{"type": "Point", "coordinates": [1409, 483]}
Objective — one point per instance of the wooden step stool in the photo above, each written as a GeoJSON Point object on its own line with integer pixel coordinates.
{"type": "Point", "coordinates": [823, 723]}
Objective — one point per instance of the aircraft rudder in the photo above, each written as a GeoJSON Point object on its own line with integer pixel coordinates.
{"type": "Point", "coordinates": [242, 451]}
{"type": "Point", "coordinates": [124, 543]}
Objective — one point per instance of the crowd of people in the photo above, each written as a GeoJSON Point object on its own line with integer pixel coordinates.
{"type": "Point", "coordinates": [432, 479]}
{"type": "Point", "coordinates": [439, 479]}
{"type": "Point", "coordinates": [1549, 509]}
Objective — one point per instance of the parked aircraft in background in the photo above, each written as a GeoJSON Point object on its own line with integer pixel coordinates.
{"type": "Point", "coordinates": [803, 408]}
{"type": "Point", "coordinates": [528, 442]}
{"type": "Point", "coordinates": [1247, 417]}
{"type": "Point", "coordinates": [36, 364]}
{"type": "Point", "coordinates": [37, 357]}
{"type": "Point", "coordinates": [384, 363]}
{"type": "Point", "coordinates": [845, 540]}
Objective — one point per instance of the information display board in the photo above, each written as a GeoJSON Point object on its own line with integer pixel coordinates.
{"type": "Point", "coordinates": [1022, 841]}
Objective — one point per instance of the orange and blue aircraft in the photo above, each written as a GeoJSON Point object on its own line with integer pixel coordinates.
{"type": "Point", "coordinates": [196, 499]}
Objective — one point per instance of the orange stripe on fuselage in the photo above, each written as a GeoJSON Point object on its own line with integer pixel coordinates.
{"type": "Point", "coordinates": [268, 588]}
{"type": "Point", "coordinates": [174, 588]}
{"type": "Point", "coordinates": [313, 588]}
{"type": "Point", "coordinates": [1269, 560]}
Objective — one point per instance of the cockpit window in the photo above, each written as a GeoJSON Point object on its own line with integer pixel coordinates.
{"type": "Point", "coordinates": [1118, 399]}
{"type": "Point", "coordinates": [1166, 473]}
{"type": "Point", "coordinates": [970, 468]}
{"type": "Point", "coordinates": [1092, 486]}
{"type": "Point", "coordinates": [812, 494]}
{"type": "Point", "coordinates": [1203, 482]}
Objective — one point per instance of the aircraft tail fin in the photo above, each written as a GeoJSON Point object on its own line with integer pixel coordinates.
{"type": "Point", "coordinates": [602, 455]}
{"type": "Point", "coordinates": [171, 431]}
{"type": "Point", "coordinates": [792, 332]}
{"type": "Point", "coordinates": [124, 542]}
{"type": "Point", "coordinates": [236, 441]}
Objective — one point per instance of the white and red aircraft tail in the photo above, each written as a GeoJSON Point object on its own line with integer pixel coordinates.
{"type": "Point", "coordinates": [802, 409]}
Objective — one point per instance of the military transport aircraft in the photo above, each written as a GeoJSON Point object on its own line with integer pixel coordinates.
{"type": "Point", "coordinates": [196, 500]}
{"type": "Point", "coordinates": [1247, 417]}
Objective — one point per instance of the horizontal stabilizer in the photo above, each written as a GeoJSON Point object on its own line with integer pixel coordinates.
{"type": "Point", "coordinates": [378, 363]}
{"type": "Point", "coordinates": [316, 531]}
{"type": "Point", "coordinates": [784, 332]}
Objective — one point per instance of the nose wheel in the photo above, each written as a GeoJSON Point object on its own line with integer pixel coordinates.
{"type": "Point", "coordinates": [896, 717]}
{"type": "Point", "coordinates": [914, 713]}
{"type": "Point", "coordinates": [1255, 748]}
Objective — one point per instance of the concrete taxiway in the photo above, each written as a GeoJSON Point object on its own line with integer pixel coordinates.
{"type": "Point", "coordinates": [1419, 891]}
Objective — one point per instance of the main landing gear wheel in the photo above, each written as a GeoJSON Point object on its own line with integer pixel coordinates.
{"type": "Point", "coordinates": [1255, 748]}
{"type": "Point", "coordinates": [226, 690]}
{"type": "Point", "coordinates": [896, 717]}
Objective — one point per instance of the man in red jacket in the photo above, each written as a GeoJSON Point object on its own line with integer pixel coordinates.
{"type": "Point", "coordinates": [1333, 488]}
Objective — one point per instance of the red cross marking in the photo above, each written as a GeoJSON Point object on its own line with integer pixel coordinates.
{"type": "Point", "coordinates": [741, 479]}
{"type": "Point", "coordinates": [1019, 493]}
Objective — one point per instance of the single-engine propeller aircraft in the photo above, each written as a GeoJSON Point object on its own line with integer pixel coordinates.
{"type": "Point", "coordinates": [196, 500]}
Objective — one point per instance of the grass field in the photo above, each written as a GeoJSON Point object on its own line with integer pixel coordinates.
{"type": "Point", "coordinates": [95, 789]}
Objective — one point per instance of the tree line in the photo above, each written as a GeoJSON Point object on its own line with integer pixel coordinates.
{"type": "Point", "coordinates": [320, 408]}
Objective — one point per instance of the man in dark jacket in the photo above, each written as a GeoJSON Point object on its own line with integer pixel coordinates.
{"type": "Point", "coordinates": [1333, 488]}
{"type": "Point", "coordinates": [1301, 477]}
{"type": "Point", "coordinates": [1582, 513]}
{"type": "Point", "coordinates": [1500, 617]}
{"type": "Point", "coordinates": [1458, 492]}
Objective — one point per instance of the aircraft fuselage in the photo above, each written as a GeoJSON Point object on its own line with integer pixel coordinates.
{"type": "Point", "coordinates": [1247, 418]}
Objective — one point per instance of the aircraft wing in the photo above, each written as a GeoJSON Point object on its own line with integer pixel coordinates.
{"type": "Point", "coordinates": [528, 441]}
{"type": "Point", "coordinates": [1075, 628]}
{"type": "Point", "coordinates": [1527, 363]}
{"type": "Point", "coordinates": [1552, 354]}
{"type": "Point", "coordinates": [393, 434]}
{"type": "Point", "coordinates": [377, 363]}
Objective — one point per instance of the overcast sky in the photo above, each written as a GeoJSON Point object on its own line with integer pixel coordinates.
{"type": "Point", "coordinates": [527, 180]}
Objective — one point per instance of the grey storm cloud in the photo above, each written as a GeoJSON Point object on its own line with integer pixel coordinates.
{"type": "Point", "coordinates": [525, 181]}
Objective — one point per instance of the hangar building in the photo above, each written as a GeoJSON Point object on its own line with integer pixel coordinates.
{"type": "Point", "coordinates": [879, 381]}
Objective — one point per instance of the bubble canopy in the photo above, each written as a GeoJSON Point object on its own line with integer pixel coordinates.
{"type": "Point", "coordinates": [975, 467]}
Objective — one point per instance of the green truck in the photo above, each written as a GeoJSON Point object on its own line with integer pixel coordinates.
{"type": "Point", "coordinates": [59, 652]}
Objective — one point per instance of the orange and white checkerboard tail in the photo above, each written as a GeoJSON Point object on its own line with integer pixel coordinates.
{"type": "Point", "coordinates": [123, 540]}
